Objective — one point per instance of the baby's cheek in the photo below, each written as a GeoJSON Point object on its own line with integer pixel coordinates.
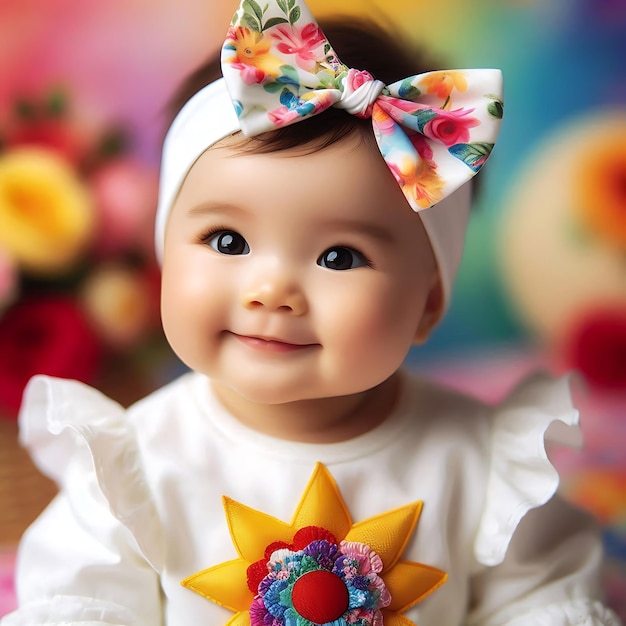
{"type": "Point", "coordinates": [379, 330]}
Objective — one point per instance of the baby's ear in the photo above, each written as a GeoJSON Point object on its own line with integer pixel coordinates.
{"type": "Point", "coordinates": [433, 311]}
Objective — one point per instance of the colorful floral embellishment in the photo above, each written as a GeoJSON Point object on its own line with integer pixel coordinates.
{"type": "Point", "coordinates": [344, 574]}
{"type": "Point", "coordinates": [280, 68]}
{"type": "Point", "coordinates": [321, 569]}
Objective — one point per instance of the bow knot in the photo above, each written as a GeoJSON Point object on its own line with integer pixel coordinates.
{"type": "Point", "coordinates": [360, 92]}
{"type": "Point", "coordinates": [434, 130]}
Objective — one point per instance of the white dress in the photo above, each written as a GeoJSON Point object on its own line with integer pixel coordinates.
{"type": "Point", "coordinates": [140, 507]}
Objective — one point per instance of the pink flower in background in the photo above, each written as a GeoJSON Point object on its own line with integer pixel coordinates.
{"type": "Point", "coordinates": [125, 194]}
{"type": "Point", "coordinates": [45, 335]}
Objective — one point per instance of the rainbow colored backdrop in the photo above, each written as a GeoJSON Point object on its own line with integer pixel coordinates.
{"type": "Point", "coordinates": [563, 66]}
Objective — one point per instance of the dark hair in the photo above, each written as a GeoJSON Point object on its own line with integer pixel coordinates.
{"type": "Point", "coordinates": [361, 44]}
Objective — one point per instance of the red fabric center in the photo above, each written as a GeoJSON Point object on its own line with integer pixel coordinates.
{"type": "Point", "coordinates": [320, 596]}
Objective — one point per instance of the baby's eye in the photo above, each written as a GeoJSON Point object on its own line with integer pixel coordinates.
{"type": "Point", "coordinates": [342, 258]}
{"type": "Point", "coordinates": [228, 242]}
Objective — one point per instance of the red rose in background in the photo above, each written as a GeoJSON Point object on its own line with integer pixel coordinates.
{"type": "Point", "coordinates": [47, 335]}
{"type": "Point", "coordinates": [596, 347]}
{"type": "Point", "coordinates": [125, 192]}
{"type": "Point", "coordinates": [45, 124]}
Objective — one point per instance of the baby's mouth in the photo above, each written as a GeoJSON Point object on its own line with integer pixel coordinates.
{"type": "Point", "coordinates": [271, 344]}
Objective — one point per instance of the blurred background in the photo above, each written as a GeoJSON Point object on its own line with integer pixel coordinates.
{"type": "Point", "coordinates": [83, 88]}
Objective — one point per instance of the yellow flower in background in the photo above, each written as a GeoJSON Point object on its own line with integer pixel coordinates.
{"type": "Point", "coordinates": [600, 187]}
{"type": "Point", "coordinates": [46, 214]}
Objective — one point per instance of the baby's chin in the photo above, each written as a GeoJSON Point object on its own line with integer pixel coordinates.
{"type": "Point", "coordinates": [265, 394]}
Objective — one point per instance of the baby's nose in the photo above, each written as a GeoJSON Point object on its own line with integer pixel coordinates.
{"type": "Point", "coordinates": [276, 291]}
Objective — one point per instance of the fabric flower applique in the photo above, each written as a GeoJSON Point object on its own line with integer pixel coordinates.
{"type": "Point", "coordinates": [321, 569]}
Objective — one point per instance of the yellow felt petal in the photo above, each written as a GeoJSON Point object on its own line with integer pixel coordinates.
{"type": "Point", "coordinates": [225, 584]}
{"type": "Point", "coordinates": [388, 533]}
{"type": "Point", "coordinates": [410, 582]}
{"type": "Point", "coordinates": [322, 505]}
{"type": "Point", "coordinates": [239, 619]}
{"type": "Point", "coordinates": [252, 531]}
{"type": "Point", "coordinates": [395, 619]}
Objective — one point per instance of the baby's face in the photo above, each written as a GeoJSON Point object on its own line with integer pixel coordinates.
{"type": "Point", "coordinates": [291, 276]}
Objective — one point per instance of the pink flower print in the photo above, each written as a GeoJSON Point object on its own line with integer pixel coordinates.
{"type": "Point", "coordinates": [382, 121]}
{"type": "Point", "coordinates": [357, 78]}
{"type": "Point", "coordinates": [250, 75]}
{"type": "Point", "coordinates": [321, 100]}
{"type": "Point", "coordinates": [282, 116]}
{"type": "Point", "coordinates": [423, 148]}
{"type": "Point", "coordinates": [451, 127]}
{"type": "Point", "coordinates": [304, 44]}
{"type": "Point", "coordinates": [391, 104]}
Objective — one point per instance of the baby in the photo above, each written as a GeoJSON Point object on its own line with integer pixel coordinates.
{"type": "Point", "coordinates": [310, 223]}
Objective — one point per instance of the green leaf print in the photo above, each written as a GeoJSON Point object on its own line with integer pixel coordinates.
{"type": "Point", "coordinates": [274, 21]}
{"type": "Point", "coordinates": [289, 75]}
{"type": "Point", "coordinates": [294, 15]}
{"type": "Point", "coordinates": [473, 155]}
{"type": "Point", "coordinates": [252, 4]}
{"type": "Point", "coordinates": [422, 117]}
{"type": "Point", "coordinates": [407, 91]}
{"type": "Point", "coordinates": [496, 109]}
{"type": "Point", "coordinates": [273, 87]}
{"type": "Point", "coordinates": [282, 5]}
{"type": "Point", "coordinates": [249, 21]}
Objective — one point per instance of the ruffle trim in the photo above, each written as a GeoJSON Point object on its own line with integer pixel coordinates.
{"type": "Point", "coordinates": [521, 476]}
{"type": "Point", "coordinates": [71, 611]}
{"type": "Point", "coordinates": [575, 613]}
{"type": "Point", "coordinates": [62, 419]}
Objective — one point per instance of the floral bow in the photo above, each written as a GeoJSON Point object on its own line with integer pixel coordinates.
{"type": "Point", "coordinates": [434, 130]}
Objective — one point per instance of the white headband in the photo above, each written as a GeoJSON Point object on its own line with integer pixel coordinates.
{"type": "Point", "coordinates": [210, 116]}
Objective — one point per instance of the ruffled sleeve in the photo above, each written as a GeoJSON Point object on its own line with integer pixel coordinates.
{"type": "Point", "coordinates": [93, 557]}
{"type": "Point", "coordinates": [521, 475]}
{"type": "Point", "coordinates": [71, 429]}
{"type": "Point", "coordinates": [540, 557]}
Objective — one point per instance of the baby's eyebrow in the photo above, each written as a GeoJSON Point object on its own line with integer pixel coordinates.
{"type": "Point", "coordinates": [369, 229]}
{"type": "Point", "coordinates": [222, 208]}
